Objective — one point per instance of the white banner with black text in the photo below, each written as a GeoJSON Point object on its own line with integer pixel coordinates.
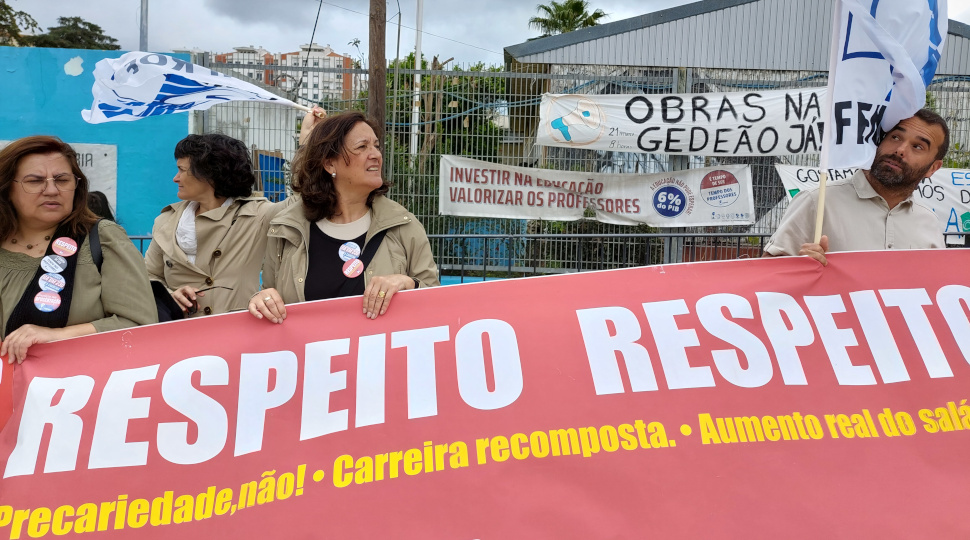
{"type": "Point", "coordinates": [756, 123]}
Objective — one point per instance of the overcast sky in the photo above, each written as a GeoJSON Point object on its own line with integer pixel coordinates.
{"type": "Point", "coordinates": [468, 30]}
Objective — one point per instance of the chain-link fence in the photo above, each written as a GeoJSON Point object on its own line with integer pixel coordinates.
{"type": "Point", "coordinates": [491, 114]}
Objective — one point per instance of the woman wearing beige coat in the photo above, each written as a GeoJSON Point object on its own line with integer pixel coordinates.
{"type": "Point", "coordinates": [320, 248]}
{"type": "Point", "coordinates": [208, 248]}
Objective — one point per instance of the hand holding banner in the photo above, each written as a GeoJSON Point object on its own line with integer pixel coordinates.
{"type": "Point", "coordinates": [139, 85]}
{"type": "Point", "coordinates": [767, 397]}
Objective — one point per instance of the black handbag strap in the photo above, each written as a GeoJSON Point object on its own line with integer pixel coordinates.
{"type": "Point", "coordinates": [94, 242]}
{"type": "Point", "coordinates": [371, 247]}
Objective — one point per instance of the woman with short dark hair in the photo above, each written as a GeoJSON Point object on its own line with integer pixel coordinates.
{"type": "Point", "coordinates": [53, 285]}
{"type": "Point", "coordinates": [346, 238]}
{"type": "Point", "coordinates": [207, 249]}
{"type": "Point", "coordinates": [99, 206]}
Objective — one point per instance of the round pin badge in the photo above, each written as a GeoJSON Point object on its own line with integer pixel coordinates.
{"type": "Point", "coordinates": [64, 246]}
{"type": "Point", "coordinates": [720, 188]}
{"type": "Point", "coordinates": [348, 251]}
{"type": "Point", "coordinates": [353, 268]}
{"type": "Point", "coordinates": [52, 282]}
{"type": "Point", "coordinates": [53, 263]}
{"type": "Point", "coordinates": [47, 301]}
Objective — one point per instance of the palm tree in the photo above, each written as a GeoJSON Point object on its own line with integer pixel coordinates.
{"type": "Point", "coordinates": [566, 16]}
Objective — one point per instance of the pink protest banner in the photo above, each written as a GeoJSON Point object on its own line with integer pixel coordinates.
{"type": "Point", "coordinates": [757, 398]}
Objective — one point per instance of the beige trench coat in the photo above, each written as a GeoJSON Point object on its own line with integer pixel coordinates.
{"type": "Point", "coordinates": [404, 250]}
{"type": "Point", "coordinates": [231, 243]}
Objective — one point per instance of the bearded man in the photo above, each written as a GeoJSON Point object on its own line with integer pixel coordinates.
{"type": "Point", "coordinates": [874, 209]}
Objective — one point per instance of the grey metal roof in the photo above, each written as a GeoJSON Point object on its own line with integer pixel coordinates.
{"type": "Point", "coordinates": [736, 34]}
{"type": "Point", "coordinates": [957, 28]}
{"type": "Point", "coordinates": [618, 27]}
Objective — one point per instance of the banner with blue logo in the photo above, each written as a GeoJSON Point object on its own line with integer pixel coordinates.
{"type": "Point", "coordinates": [712, 196]}
{"type": "Point", "coordinates": [884, 54]}
{"type": "Point", "coordinates": [140, 84]}
{"type": "Point", "coordinates": [754, 123]}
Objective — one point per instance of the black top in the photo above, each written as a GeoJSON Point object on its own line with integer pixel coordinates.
{"type": "Point", "coordinates": [325, 277]}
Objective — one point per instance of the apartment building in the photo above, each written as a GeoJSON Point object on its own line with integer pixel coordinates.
{"type": "Point", "coordinates": [316, 83]}
{"type": "Point", "coordinates": [248, 56]}
{"type": "Point", "coordinates": [310, 71]}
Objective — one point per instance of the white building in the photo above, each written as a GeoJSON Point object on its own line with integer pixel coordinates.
{"type": "Point", "coordinates": [250, 56]}
{"type": "Point", "coordinates": [312, 68]}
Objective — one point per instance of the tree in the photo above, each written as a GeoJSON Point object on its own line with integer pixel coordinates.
{"type": "Point", "coordinates": [12, 25]}
{"type": "Point", "coordinates": [569, 15]}
{"type": "Point", "coordinates": [458, 113]}
{"type": "Point", "coordinates": [359, 61]}
{"type": "Point", "coordinates": [75, 33]}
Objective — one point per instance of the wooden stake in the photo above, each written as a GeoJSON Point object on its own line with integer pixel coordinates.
{"type": "Point", "coordinates": [377, 68]}
{"type": "Point", "coordinates": [820, 210]}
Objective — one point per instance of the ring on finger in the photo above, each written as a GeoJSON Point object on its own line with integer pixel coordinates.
{"type": "Point", "coordinates": [268, 299]}
{"type": "Point", "coordinates": [381, 294]}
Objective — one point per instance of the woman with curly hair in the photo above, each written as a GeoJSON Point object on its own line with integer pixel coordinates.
{"type": "Point", "coordinates": [347, 238]}
{"type": "Point", "coordinates": [207, 249]}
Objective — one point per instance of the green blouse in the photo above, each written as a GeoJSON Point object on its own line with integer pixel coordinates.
{"type": "Point", "coordinates": [124, 300]}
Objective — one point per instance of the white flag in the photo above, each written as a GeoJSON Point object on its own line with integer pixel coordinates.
{"type": "Point", "coordinates": [884, 54]}
{"type": "Point", "coordinates": [141, 84]}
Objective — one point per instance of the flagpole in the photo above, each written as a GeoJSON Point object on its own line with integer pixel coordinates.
{"type": "Point", "coordinates": [820, 208]}
{"type": "Point", "coordinates": [834, 55]}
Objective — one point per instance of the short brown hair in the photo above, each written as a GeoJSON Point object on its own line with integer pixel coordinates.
{"type": "Point", "coordinates": [311, 179]}
{"type": "Point", "coordinates": [934, 119]}
{"type": "Point", "coordinates": [79, 220]}
{"type": "Point", "coordinates": [221, 161]}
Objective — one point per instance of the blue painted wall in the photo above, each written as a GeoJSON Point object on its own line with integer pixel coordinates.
{"type": "Point", "coordinates": [38, 98]}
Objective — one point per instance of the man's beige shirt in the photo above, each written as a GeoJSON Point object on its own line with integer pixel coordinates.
{"type": "Point", "coordinates": [856, 219]}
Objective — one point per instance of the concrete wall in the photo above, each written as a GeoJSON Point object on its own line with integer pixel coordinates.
{"type": "Point", "coordinates": [42, 92]}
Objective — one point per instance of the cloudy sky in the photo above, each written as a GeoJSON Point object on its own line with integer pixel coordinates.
{"type": "Point", "coordinates": [468, 30]}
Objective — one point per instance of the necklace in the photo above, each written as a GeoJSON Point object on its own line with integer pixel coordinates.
{"type": "Point", "coordinates": [30, 246]}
